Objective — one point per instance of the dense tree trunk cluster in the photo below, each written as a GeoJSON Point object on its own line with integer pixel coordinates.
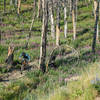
{"type": "Point", "coordinates": [49, 12]}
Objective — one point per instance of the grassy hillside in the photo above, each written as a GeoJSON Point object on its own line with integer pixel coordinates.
{"type": "Point", "coordinates": [34, 84]}
{"type": "Point", "coordinates": [86, 87]}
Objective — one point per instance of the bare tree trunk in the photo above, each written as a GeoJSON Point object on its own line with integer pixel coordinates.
{"type": "Point", "coordinates": [74, 25]}
{"type": "Point", "coordinates": [34, 15]}
{"type": "Point", "coordinates": [76, 5]}
{"type": "Point", "coordinates": [97, 37]}
{"type": "Point", "coordinates": [0, 30]}
{"type": "Point", "coordinates": [95, 28]}
{"type": "Point", "coordinates": [19, 5]}
{"type": "Point", "coordinates": [70, 2]}
{"type": "Point", "coordinates": [0, 36]}
{"type": "Point", "coordinates": [4, 6]}
{"type": "Point", "coordinates": [58, 26]}
{"type": "Point", "coordinates": [95, 7]}
{"type": "Point", "coordinates": [10, 57]}
{"type": "Point", "coordinates": [74, 19]}
{"type": "Point", "coordinates": [65, 19]}
{"type": "Point", "coordinates": [42, 60]}
{"type": "Point", "coordinates": [52, 19]}
{"type": "Point", "coordinates": [39, 9]}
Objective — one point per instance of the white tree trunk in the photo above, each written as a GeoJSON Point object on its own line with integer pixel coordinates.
{"type": "Point", "coordinates": [19, 6]}
{"type": "Point", "coordinates": [74, 24]}
{"type": "Point", "coordinates": [95, 28]}
{"type": "Point", "coordinates": [58, 26]}
{"type": "Point", "coordinates": [52, 20]}
{"type": "Point", "coordinates": [65, 21]}
{"type": "Point", "coordinates": [97, 37]}
{"type": "Point", "coordinates": [57, 35]}
{"type": "Point", "coordinates": [95, 8]}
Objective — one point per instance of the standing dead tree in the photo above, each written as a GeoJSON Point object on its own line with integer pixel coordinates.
{"type": "Point", "coordinates": [19, 6]}
{"type": "Point", "coordinates": [58, 24]}
{"type": "Point", "coordinates": [10, 57]}
{"type": "Point", "coordinates": [74, 2]}
{"type": "Point", "coordinates": [65, 4]}
{"type": "Point", "coordinates": [39, 15]}
{"type": "Point", "coordinates": [95, 7]}
{"type": "Point", "coordinates": [4, 6]}
{"type": "Point", "coordinates": [51, 15]}
{"type": "Point", "coordinates": [95, 28]}
{"type": "Point", "coordinates": [0, 30]}
{"type": "Point", "coordinates": [33, 18]}
{"type": "Point", "coordinates": [42, 60]}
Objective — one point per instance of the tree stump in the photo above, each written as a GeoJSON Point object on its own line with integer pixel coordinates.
{"type": "Point", "coordinates": [10, 57]}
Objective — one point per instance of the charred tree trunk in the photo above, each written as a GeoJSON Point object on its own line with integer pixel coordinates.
{"type": "Point", "coordinates": [42, 60]}
{"type": "Point", "coordinates": [58, 26]}
{"type": "Point", "coordinates": [4, 6]}
{"type": "Point", "coordinates": [10, 57]}
{"type": "Point", "coordinates": [95, 28]}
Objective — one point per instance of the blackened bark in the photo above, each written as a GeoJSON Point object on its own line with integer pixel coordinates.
{"type": "Point", "coordinates": [95, 29]}
{"type": "Point", "coordinates": [4, 6]}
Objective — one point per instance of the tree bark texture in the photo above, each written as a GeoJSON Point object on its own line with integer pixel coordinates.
{"type": "Point", "coordinates": [42, 60]}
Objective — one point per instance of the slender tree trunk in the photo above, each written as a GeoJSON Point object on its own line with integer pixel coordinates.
{"type": "Point", "coordinates": [74, 19]}
{"type": "Point", "coordinates": [34, 15]}
{"type": "Point", "coordinates": [0, 30]}
{"type": "Point", "coordinates": [74, 25]}
{"type": "Point", "coordinates": [52, 19]}
{"type": "Point", "coordinates": [58, 26]}
{"type": "Point", "coordinates": [65, 20]}
{"type": "Point", "coordinates": [95, 7]}
{"type": "Point", "coordinates": [70, 2]}
{"type": "Point", "coordinates": [4, 6]}
{"type": "Point", "coordinates": [95, 28]}
{"type": "Point", "coordinates": [44, 36]}
{"type": "Point", "coordinates": [0, 36]}
{"type": "Point", "coordinates": [76, 5]}
{"type": "Point", "coordinates": [19, 6]}
{"type": "Point", "coordinates": [39, 9]}
{"type": "Point", "coordinates": [97, 37]}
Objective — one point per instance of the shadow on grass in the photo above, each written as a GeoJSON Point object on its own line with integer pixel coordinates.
{"type": "Point", "coordinates": [84, 58]}
{"type": "Point", "coordinates": [83, 18]}
{"type": "Point", "coordinates": [83, 32]}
